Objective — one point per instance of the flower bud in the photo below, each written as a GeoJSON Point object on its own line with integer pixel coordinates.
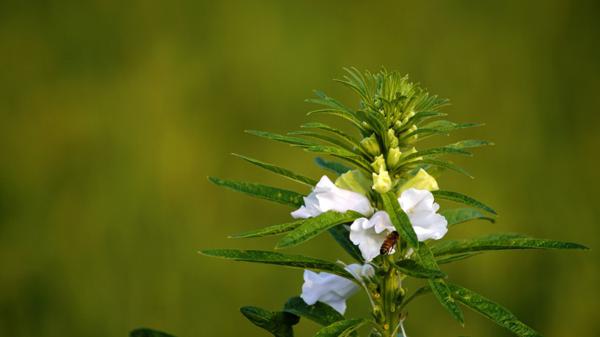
{"type": "Point", "coordinates": [382, 182]}
{"type": "Point", "coordinates": [371, 145]}
{"type": "Point", "coordinates": [408, 116]}
{"type": "Point", "coordinates": [378, 164]}
{"type": "Point", "coordinates": [410, 130]}
{"type": "Point", "coordinates": [421, 181]}
{"type": "Point", "coordinates": [392, 140]}
{"type": "Point", "coordinates": [393, 157]}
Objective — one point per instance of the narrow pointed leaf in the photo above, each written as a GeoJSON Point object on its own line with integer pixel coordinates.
{"type": "Point", "coordinates": [277, 323]}
{"type": "Point", "coordinates": [319, 312]}
{"type": "Point", "coordinates": [419, 292]}
{"type": "Point", "coordinates": [445, 165]}
{"type": "Point", "coordinates": [399, 219]}
{"type": "Point", "coordinates": [452, 258]}
{"type": "Point", "coordinates": [327, 138]}
{"type": "Point", "coordinates": [145, 332]}
{"type": "Point", "coordinates": [500, 242]}
{"type": "Point", "coordinates": [415, 269]}
{"type": "Point", "coordinates": [266, 192]}
{"type": "Point", "coordinates": [325, 127]}
{"type": "Point", "coordinates": [288, 260]}
{"type": "Point", "coordinates": [459, 215]}
{"type": "Point", "coordinates": [268, 231]}
{"type": "Point", "coordinates": [332, 166]}
{"type": "Point", "coordinates": [342, 328]}
{"type": "Point", "coordinates": [281, 138]}
{"type": "Point", "coordinates": [437, 151]}
{"type": "Point", "coordinates": [279, 170]}
{"type": "Point", "coordinates": [461, 198]}
{"type": "Point", "coordinates": [341, 236]}
{"type": "Point", "coordinates": [438, 286]}
{"type": "Point", "coordinates": [315, 226]}
{"type": "Point", "coordinates": [492, 311]}
{"type": "Point", "coordinates": [422, 116]}
{"type": "Point", "coordinates": [470, 143]}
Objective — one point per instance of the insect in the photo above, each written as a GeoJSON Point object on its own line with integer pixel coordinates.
{"type": "Point", "coordinates": [389, 243]}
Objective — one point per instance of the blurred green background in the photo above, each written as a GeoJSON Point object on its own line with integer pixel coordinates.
{"type": "Point", "coordinates": [113, 113]}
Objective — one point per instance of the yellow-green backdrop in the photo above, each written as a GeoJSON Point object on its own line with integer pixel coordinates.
{"type": "Point", "coordinates": [113, 113]}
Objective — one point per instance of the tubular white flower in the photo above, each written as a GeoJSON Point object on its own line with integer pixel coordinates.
{"type": "Point", "coordinates": [419, 205]}
{"type": "Point", "coordinates": [369, 234]}
{"type": "Point", "coordinates": [328, 197]}
{"type": "Point", "coordinates": [421, 209]}
{"type": "Point", "coordinates": [332, 289]}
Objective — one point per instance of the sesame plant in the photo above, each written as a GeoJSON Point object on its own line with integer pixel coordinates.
{"type": "Point", "coordinates": [379, 203]}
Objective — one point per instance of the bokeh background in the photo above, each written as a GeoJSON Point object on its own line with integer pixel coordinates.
{"type": "Point", "coordinates": [113, 113]}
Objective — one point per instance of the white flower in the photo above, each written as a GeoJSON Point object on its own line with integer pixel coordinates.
{"type": "Point", "coordinates": [328, 197]}
{"type": "Point", "coordinates": [333, 289]}
{"type": "Point", "coordinates": [369, 234]}
{"type": "Point", "coordinates": [421, 210]}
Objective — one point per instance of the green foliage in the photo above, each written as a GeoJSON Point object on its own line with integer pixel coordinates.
{"type": "Point", "coordinates": [145, 332]}
{"type": "Point", "coordinates": [278, 323]}
{"type": "Point", "coordinates": [438, 286]}
{"type": "Point", "coordinates": [500, 242]}
{"type": "Point", "coordinates": [415, 269]}
{"type": "Point", "coordinates": [493, 311]}
{"type": "Point", "coordinates": [341, 235]}
{"type": "Point", "coordinates": [279, 170]}
{"type": "Point", "coordinates": [268, 231]}
{"type": "Point", "coordinates": [456, 216]}
{"type": "Point", "coordinates": [319, 312]}
{"type": "Point", "coordinates": [332, 166]}
{"type": "Point", "coordinates": [288, 260]}
{"type": "Point", "coordinates": [461, 198]}
{"type": "Point", "coordinates": [314, 226]}
{"type": "Point", "coordinates": [342, 328]}
{"type": "Point", "coordinates": [399, 219]}
{"type": "Point", "coordinates": [275, 194]}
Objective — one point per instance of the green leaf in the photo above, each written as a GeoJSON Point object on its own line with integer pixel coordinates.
{"type": "Point", "coordinates": [145, 332]}
{"type": "Point", "coordinates": [279, 170]}
{"type": "Point", "coordinates": [341, 236]}
{"type": "Point", "coordinates": [288, 260]}
{"type": "Point", "coordinates": [278, 323]}
{"type": "Point", "coordinates": [319, 312]}
{"type": "Point", "coordinates": [315, 226]}
{"type": "Point", "coordinates": [425, 115]}
{"type": "Point", "coordinates": [399, 219]}
{"type": "Point", "coordinates": [492, 311]}
{"type": "Point", "coordinates": [325, 127]}
{"type": "Point", "coordinates": [415, 269]}
{"type": "Point", "coordinates": [470, 143]}
{"type": "Point", "coordinates": [438, 286]}
{"type": "Point", "coordinates": [268, 231]}
{"type": "Point", "coordinates": [452, 258]}
{"type": "Point", "coordinates": [445, 165]}
{"type": "Point", "coordinates": [440, 127]}
{"type": "Point", "coordinates": [461, 198]}
{"type": "Point", "coordinates": [459, 215]}
{"type": "Point", "coordinates": [419, 292]}
{"type": "Point", "coordinates": [332, 166]}
{"type": "Point", "coordinates": [281, 138]}
{"type": "Point", "coordinates": [500, 242]}
{"type": "Point", "coordinates": [275, 194]}
{"type": "Point", "coordinates": [436, 151]}
{"type": "Point", "coordinates": [342, 328]}
{"type": "Point", "coordinates": [327, 138]}
{"type": "Point", "coordinates": [342, 154]}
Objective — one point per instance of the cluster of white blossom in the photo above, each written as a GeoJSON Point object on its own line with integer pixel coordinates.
{"type": "Point", "coordinates": [368, 232]}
